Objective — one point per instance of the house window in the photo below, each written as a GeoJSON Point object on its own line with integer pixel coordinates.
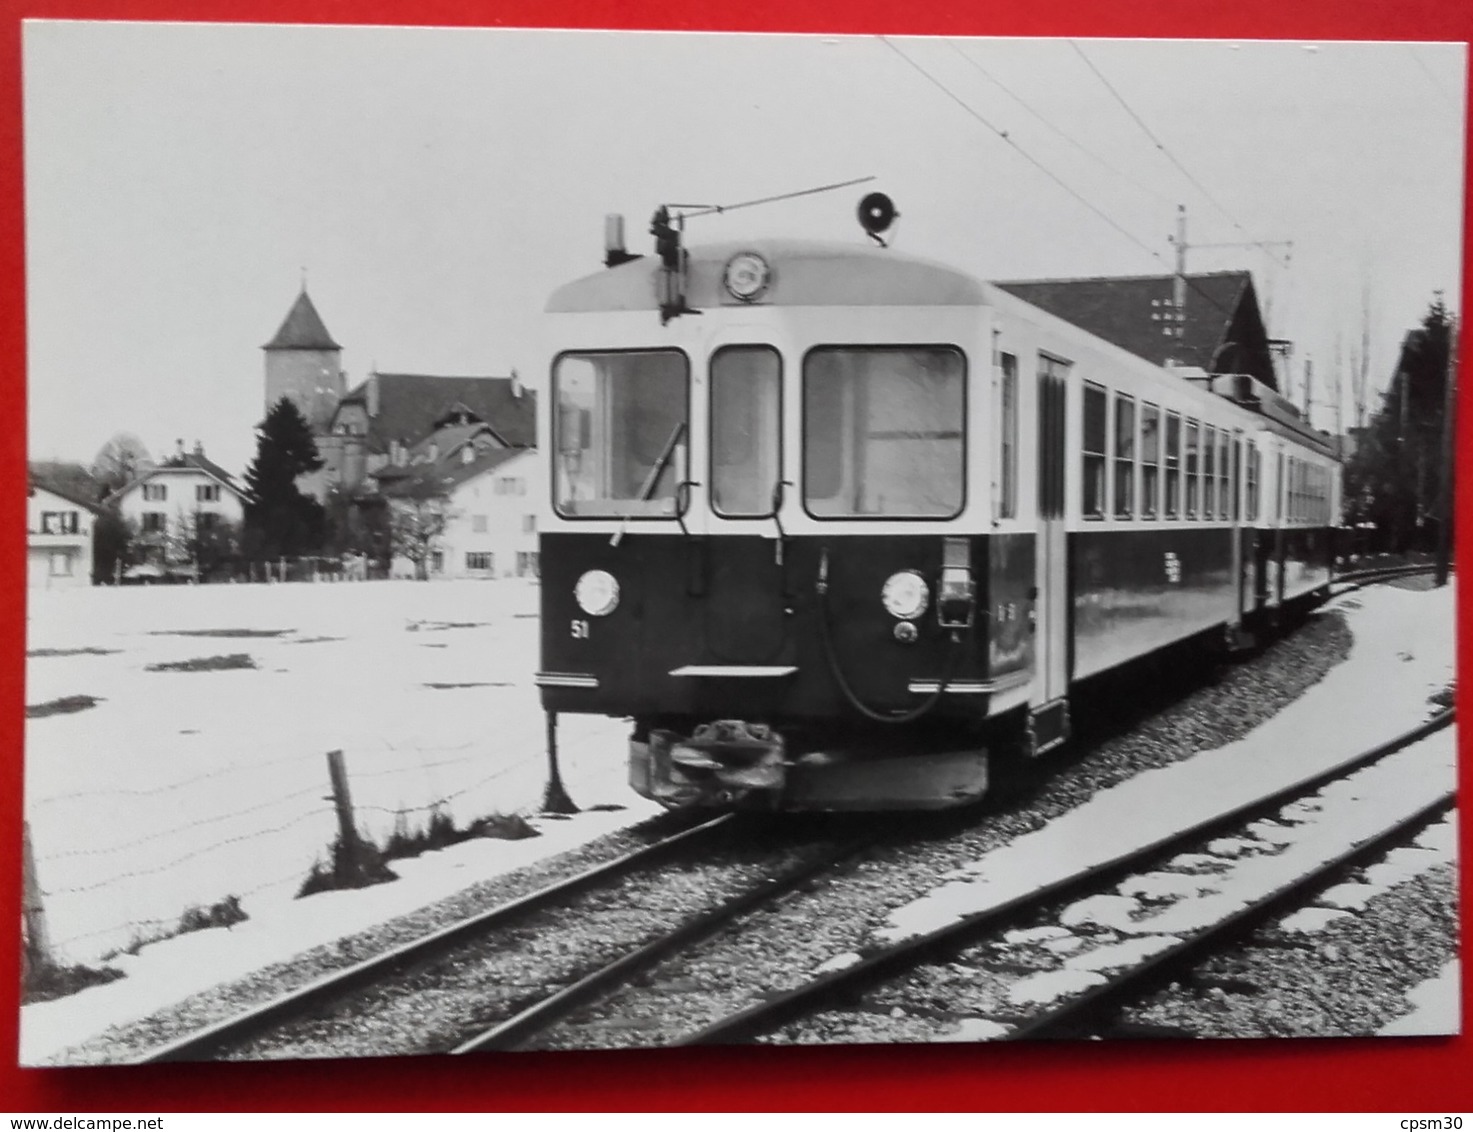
{"type": "Point", "coordinates": [478, 560]}
{"type": "Point", "coordinates": [437, 562]}
{"type": "Point", "coordinates": [155, 492]}
{"type": "Point", "coordinates": [529, 524]}
{"type": "Point", "coordinates": [1092, 503]}
{"type": "Point", "coordinates": [1150, 459]}
{"type": "Point", "coordinates": [58, 522]}
{"type": "Point", "coordinates": [207, 521]}
{"type": "Point", "coordinates": [61, 564]}
{"type": "Point", "coordinates": [206, 492]}
{"type": "Point", "coordinates": [154, 522]}
{"type": "Point", "coordinates": [1124, 457]}
{"type": "Point", "coordinates": [511, 485]}
{"type": "Point", "coordinates": [478, 524]}
{"type": "Point", "coordinates": [1007, 504]}
{"type": "Point", "coordinates": [527, 564]}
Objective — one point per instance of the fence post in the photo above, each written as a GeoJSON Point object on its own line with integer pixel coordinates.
{"type": "Point", "coordinates": [37, 953]}
{"type": "Point", "coordinates": [555, 798]}
{"type": "Point", "coordinates": [348, 862]}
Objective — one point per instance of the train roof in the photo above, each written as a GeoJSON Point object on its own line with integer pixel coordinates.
{"type": "Point", "coordinates": [805, 273]}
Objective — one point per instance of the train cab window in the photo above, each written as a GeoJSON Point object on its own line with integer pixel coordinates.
{"type": "Point", "coordinates": [1092, 501]}
{"type": "Point", "coordinates": [745, 430]}
{"type": "Point", "coordinates": [1209, 472]}
{"type": "Point", "coordinates": [620, 433]}
{"type": "Point", "coordinates": [883, 432]}
{"type": "Point", "coordinates": [1173, 465]}
{"type": "Point", "coordinates": [1007, 438]}
{"type": "Point", "coordinates": [1191, 466]}
{"type": "Point", "coordinates": [1124, 457]}
{"type": "Point", "coordinates": [1150, 460]}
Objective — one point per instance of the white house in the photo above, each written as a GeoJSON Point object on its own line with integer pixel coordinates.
{"type": "Point", "coordinates": [186, 490]}
{"type": "Point", "coordinates": [484, 498]}
{"type": "Point", "coordinates": [59, 539]}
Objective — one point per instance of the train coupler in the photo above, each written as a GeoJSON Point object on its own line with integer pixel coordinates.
{"type": "Point", "coordinates": [724, 762]}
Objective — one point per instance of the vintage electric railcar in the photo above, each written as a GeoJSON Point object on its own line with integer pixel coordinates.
{"type": "Point", "coordinates": [828, 522]}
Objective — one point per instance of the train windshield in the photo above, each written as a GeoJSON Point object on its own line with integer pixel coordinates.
{"type": "Point", "coordinates": [621, 433]}
{"type": "Point", "coordinates": [745, 430]}
{"type": "Point", "coordinates": [883, 432]}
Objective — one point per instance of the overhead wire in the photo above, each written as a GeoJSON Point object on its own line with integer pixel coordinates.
{"type": "Point", "coordinates": [995, 81]}
{"type": "Point", "coordinates": [1161, 146]}
{"type": "Point", "coordinates": [1051, 175]}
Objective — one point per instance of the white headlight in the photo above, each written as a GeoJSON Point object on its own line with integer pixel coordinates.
{"type": "Point", "coordinates": [905, 595]}
{"type": "Point", "coordinates": [597, 593]}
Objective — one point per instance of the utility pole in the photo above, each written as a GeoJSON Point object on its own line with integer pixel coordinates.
{"type": "Point", "coordinates": [1449, 410]}
{"type": "Point", "coordinates": [1179, 288]}
{"type": "Point", "coordinates": [1308, 388]}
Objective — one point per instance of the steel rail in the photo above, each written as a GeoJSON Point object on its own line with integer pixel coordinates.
{"type": "Point", "coordinates": [1097, 1005]}
{"type": "Point", "coordinates": [883, 962]}
{"type": "Point", "coordinates": [204, 1043]}
{"type": "Point", "coordinates": [514, 1032]}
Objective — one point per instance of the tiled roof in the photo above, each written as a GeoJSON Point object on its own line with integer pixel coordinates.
{"type": "Point", "coordinates": [302, 329]}
{"type": "Point", "coordinates": [68, 479]}
{"type": "Point", "coordinates": [187, 461]}
{"type": "Point", "coordinates": [1136, 312]}
{"type": "Point", "coordinates": [62, 493]}
{"type": "Point", "coordinates": [410, 404]}
{"type": "Point", "coordinates": [443, 475]}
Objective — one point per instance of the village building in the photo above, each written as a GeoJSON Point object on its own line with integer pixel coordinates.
{"type": "Point", "coordinates": [1209, 321]}
{"type": "Point", "coordinates": [474, 500]}
{"type": "Point", "coordinates": [59, 532]}
{"type": "Point", "coordinates": [180, 500]}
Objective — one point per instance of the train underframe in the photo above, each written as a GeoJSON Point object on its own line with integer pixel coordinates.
{"type": "Point", "coordinates": [752, 686]}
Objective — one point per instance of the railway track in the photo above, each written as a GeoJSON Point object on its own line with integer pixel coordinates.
{"type": "Point", "coordinates": [359, 998]}
{"type": "Point", "coordinates": [835, 992]}
{"type": "Point", "coordinates": [305, 1021]}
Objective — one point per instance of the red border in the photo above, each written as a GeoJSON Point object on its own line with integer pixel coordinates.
{"type": "Point", "coordinates": [1391, 1074]}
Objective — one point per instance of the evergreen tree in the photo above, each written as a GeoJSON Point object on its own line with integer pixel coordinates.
{"type": "Point", "coordinates": [280, 521]}
{"type": "Point", "coordinates": [1395, 479]}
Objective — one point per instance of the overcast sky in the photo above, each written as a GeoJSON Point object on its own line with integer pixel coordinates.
{"type": "Point", "coordinates": [437, 185]}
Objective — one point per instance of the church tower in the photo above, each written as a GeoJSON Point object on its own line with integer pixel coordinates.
{"type": "Point", "coordinates": [304, 363]}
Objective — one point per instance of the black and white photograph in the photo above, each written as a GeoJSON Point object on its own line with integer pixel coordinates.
{"type": "Point", "coordinates": [565, 540]}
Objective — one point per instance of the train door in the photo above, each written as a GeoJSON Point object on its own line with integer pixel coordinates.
{"type": "Point", "coordinates": [743, 571]}
{"type": "Point", "coordinates": [1048, 709]}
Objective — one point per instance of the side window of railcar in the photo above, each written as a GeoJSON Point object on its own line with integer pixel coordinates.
{"type": "Point", "coordinates": [882, 432]}
{"type": "Point", "coordinates": [1007, 503]}
{"type": "Point", "coordinates": [1191, 469]}
{"type": "Point", "coordinates": [1150, 460]}
{"type": "Point", "coordinates": [621, 432]}
{"type": "Point", "coordinates": [1252, 513]}
{"type": "Point", "coordinates": [1173, 465]}
{"type": "Point", "coordinates": [1092, 482]}
{"type": "Point", "coordinates": [745, 429]}
{"type": "Point", "coordinates": [1226, 484]}
{"type": "Point", "coordinates": [1209, 471]}
{"type": "Point", "coordinates": [1124, 457]}
{"type": "Point", "coordinates": [1236, 514]}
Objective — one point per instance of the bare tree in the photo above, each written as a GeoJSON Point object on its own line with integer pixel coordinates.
{"type": "Point", "coordinates": [121, 460]}
{"type": "Point", "coordinates": [418, 515]}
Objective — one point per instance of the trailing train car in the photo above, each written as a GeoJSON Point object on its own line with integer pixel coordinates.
{"type": "Point", "coordinates": [828, 522]}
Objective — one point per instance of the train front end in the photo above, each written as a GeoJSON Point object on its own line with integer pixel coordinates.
{"type": "Point", "coordinates": [770, 542]}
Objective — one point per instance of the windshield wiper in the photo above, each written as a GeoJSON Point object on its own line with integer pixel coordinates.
{"type": "Point", "coordinates": [648, 489]}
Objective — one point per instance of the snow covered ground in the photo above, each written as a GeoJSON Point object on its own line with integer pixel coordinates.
{"type": "Point", "coordinates": [1403, 653]}
{"type": "Point", "coordinates": [179, 788]}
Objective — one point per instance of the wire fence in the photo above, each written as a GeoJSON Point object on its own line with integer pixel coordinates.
{"type": "Point", "coordinates": [168, 849]}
